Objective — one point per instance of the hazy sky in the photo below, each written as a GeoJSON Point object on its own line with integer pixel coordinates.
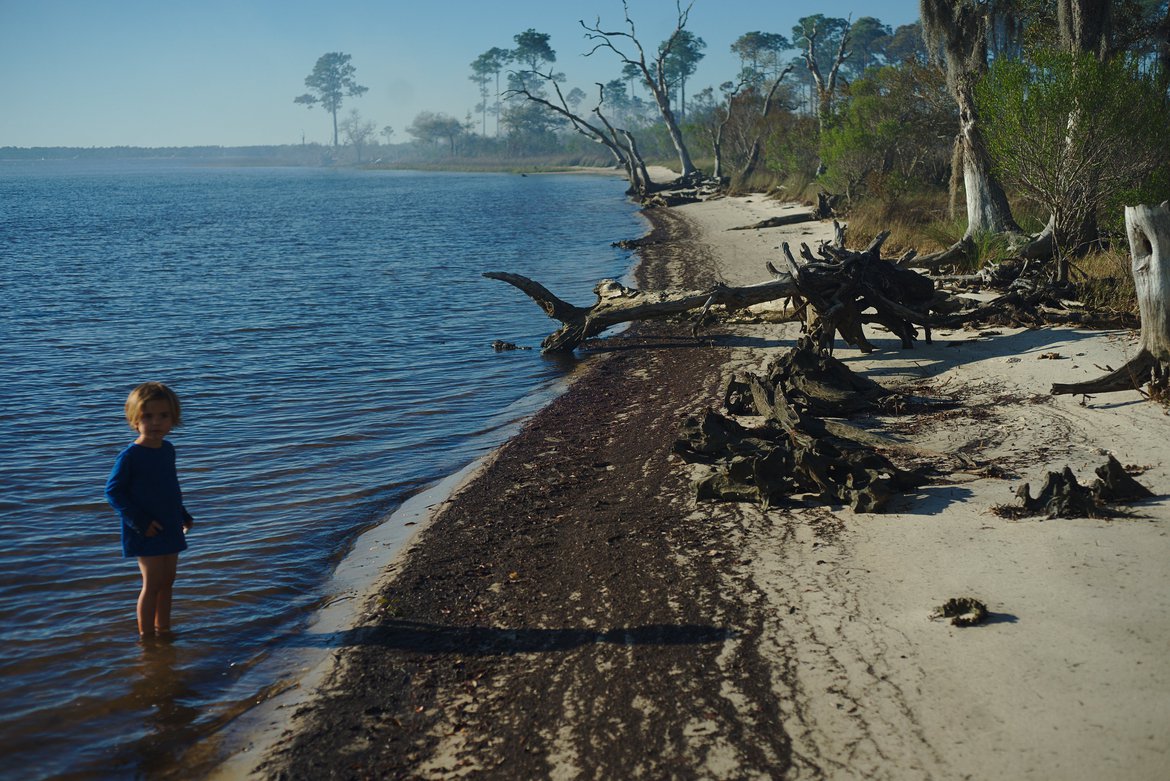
{"type": "Point", "coordinates": [225, 72]}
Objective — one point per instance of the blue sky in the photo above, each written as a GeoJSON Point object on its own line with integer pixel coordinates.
{"type": "Point", "coordinates": [224, 72]}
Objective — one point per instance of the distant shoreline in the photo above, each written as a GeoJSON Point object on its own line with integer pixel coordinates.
{"type": "Point", "coordinates": [308, 155]}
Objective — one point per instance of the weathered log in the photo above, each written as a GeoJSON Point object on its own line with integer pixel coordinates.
{"type": "Point", "coordinates": [1062, 496]}
{"type": "Point", "coordinates": [826, 205]}
{"type": "Point", "coordinates": [821, 385]}
{"type": "Point", "coordinates": [1148, 231]}
{"type": "Point", "coordinates": [956, 253]}
{"type": "Point", "coordinates": [843, 284]}
{"type": "Point", "coordinates": [797, 453]}
{"type": "Point", "coordinates": [619, 304]}
{"type": "Point", "coordinates": [1113, 484]}
{"type": "Point", "coordinates": [778, 222]}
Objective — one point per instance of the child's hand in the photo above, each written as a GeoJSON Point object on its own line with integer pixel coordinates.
{"type": "Point", "coordinates": [154, 528]}
{"type": "Point", "coordinates": [187, 524]}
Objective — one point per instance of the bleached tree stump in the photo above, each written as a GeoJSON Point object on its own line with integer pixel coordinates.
{"type": "Point", "coordinates": [1148, 230]}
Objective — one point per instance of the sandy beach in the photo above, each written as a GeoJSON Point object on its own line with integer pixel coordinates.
{"type": "Point", "coordinates": [572, 611]}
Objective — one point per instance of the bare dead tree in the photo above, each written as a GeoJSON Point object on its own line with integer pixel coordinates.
{"type": "Point", "coordinates": [618, 142]}
{"type": "Point", "coordinates": [721, 128]}
{"type": "Point", "coordinates": [826, 85]}
{"type": "Point", "coordinates": [638, 173]}
{"type": "Point", "coordinates": [653, 72]}
{"type": "Point", "coordinates": [753, 158]}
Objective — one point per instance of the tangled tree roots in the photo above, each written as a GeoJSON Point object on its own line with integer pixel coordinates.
{"type": "Point", "coordinates": [1062, 496]}
{"type": "Point", "coordinates": [795, 452]}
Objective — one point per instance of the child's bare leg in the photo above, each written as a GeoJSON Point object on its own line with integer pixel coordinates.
{"type": "Point", "coordinates": [162, 610]}
{"type": "Point", "coordinates": [154, 601]}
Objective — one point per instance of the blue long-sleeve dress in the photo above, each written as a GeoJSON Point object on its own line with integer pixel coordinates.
{"type": "Point", "coordinates": [144, 487]}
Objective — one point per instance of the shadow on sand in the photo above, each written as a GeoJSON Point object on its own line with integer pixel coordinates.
{"type": "Point", "coordinates": [421, 637]}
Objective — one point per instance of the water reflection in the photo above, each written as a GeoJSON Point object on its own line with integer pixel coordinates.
{"type": "Point", "coordinates": [161, 690]}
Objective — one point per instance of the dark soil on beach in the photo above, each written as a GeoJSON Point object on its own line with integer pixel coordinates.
{"type": "Point", "coordinates": [566, 613]}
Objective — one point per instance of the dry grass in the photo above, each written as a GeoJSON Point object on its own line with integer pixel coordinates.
{"type": "Point", "coordinates": [919, 220]}
{"type": "Point", "coordinates": [800, 189]}
{"type": "Point", "coordinates": [915, 221]}
{"type": "Point", "coordinates": [1104, 280]}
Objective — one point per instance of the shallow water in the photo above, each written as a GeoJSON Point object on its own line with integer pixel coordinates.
{"type": "Point", "coordinates": [329, 333]}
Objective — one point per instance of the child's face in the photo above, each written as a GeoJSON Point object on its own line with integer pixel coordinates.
{"type": "Point", "coordinates": [155, 422]}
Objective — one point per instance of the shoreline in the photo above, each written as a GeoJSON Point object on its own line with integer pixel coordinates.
{"type": "Point", "coordinates": [573, 609]}
{"type": "Point", "coordinates": [356, 582]}
{"type": "Point", "coordinates": [373, 561]}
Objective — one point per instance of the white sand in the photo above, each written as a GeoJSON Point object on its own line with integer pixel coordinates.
{"type": "Point", "coordinates": [1071, 679]}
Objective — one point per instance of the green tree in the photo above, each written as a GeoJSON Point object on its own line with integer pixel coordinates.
{"type": "Point", "coordinates": [1073, 165]}
{"type": "Point", "coordinates": [681, 60]}
{"type": "Point", "coordinates": [633, 75]}
{"type": "Point", "coordinates": [530, 127]}
{"type": "Point", "coordinates": [906, 45]}
{"type": "Point", "coordinates": [431, 127]}
{"type": "Point", "coordinates": [331, 81]}
{"type": "Point", "coordinates": [532, 51]}
{"type": "Point", "coordinates": [481, 77]}
{"type": "Point", "coordinates": [892, 135]}
{"type": "Point", "coordinates": [484, 68]}
{"type": "Point", "coordinates": [759, 55]}
{"type": "Point", "coordinates": [868, 39]}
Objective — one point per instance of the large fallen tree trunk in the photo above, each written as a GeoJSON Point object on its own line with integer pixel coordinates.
{"type": "Point", "coordinates": [837, 292]}
{"type": "Point", "coordinates": [619, 304]}
{"type": "Point", "coordinates": [1148, 230]}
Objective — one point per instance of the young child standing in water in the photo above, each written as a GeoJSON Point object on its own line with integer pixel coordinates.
{"type": "Point", "coordinates": [144, 489]}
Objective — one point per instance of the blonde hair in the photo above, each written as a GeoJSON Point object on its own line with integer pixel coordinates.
{"type": "Point", "coordinates": [151, 391]}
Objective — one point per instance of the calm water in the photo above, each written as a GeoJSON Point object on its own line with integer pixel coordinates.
{"type": "Point", "coordinates": [329, 333]}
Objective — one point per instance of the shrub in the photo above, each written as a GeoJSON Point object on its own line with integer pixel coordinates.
{"type": "Point", "coordinates": [1072, 134]}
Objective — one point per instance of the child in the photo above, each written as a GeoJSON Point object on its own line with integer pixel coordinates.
{"type": "Point", "coordinates": [144, 489]}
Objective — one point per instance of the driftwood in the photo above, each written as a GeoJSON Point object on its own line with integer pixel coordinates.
{"type": "Point", "coordinates": [956, 253]}
{"type": "Point", "coordinates": [1062, 496]}
{"type": "Point", "coordinates": [963, 611]}
{"type": "Point", "coordinates": [841, 285]}
{"type": "Point", "coordinates": [796, 452]}
{"type": "Point", "coordinates": [819, 384]}
{"type": "Point", "coordinates": [617, 303]}
{"type": "Point", "coordinates": [836, 291]}
{"type": "Point", "coordinates": [779, 222]}
{"type": "Point", "coordinates": [826, 205]}
{"type": "Point", "coordinates": [1148, 230]}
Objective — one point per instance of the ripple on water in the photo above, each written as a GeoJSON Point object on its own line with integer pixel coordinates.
{"type": "Point", "coordinates": [330, 335]}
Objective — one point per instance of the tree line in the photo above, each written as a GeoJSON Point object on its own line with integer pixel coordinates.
{"type": "Point", "coordinates": [1058, 108]}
